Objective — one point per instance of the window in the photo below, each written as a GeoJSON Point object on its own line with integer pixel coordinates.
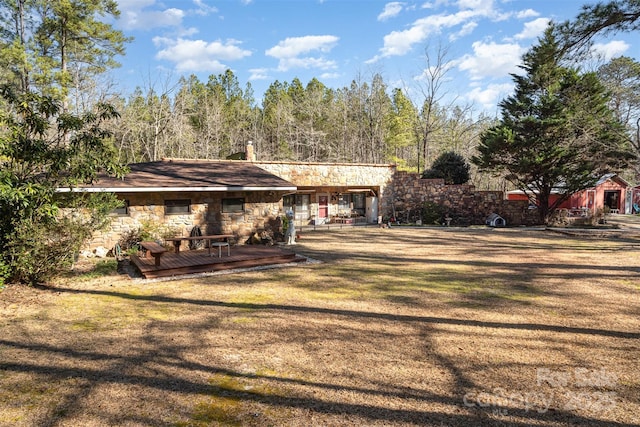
{"type": "Point", "coordinates": [233, 205]}
{"type": "Point", "coordinates": [177, 207]}
{"type": "Point", "coordinates": [299, 203]}
{"type": "Point", "coordinates": [352, 204]}
{"type": "Point", "coordinates": [122, 210]}
{"type": "Point", "coordinates": [344, 205]}
{"type": "Point", "coordinates": [359, 202]}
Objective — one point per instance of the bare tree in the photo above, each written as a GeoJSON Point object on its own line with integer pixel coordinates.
{"type": "Point", "coordinates": [431, 84]}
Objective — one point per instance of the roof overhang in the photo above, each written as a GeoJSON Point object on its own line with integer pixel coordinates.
{"type": "Point", "coordinates": [535, 192]}
{"type": "Point", "coordinates": [168, 189]}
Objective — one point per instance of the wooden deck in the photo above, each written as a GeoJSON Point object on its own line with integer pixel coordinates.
{"type": "Point", "coordinates": [199, 261]}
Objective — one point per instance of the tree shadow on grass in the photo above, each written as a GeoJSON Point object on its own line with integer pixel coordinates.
{"type": "Point", "coordinates": [359, 314]}
{"type": "Point", "coordinates": [121, 369]}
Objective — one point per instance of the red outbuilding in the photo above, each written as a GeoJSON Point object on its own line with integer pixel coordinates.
{"type": "Point", "coordinates": [609, 191]}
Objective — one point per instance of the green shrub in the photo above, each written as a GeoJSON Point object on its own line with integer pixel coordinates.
{"type": "Point", "coordinates": [39, 248]}
{"type": "Point", "coordinates": [148, 231]}
{"type": "Point", "coordinates": [35, 253]}
{"type": "Point", "coordinates": [449, 166]}
{"type": "Point", "coordinates": [44, 148]}
{"type": "Point", "coordinates": [432, 213]}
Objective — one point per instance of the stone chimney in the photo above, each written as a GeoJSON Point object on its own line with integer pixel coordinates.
{"type": "Point", "coordinates": [250, 155]}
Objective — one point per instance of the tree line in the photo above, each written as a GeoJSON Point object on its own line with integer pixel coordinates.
{"type": "Point", "coordinates": [367, 122]}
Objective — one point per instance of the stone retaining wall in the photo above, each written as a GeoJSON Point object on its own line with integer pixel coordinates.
{"type": "Point", "coordinates": [463, 202]}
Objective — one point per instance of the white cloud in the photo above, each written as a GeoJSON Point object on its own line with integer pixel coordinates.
{"type": "Point", "coordinates": [294, 46]}
{"type": "Point", "coordinates": [286, 64]}
{"type": "Point", "coordinates": [492, 60]}
{"type": "Point", "coordinates": [328, 76]}
{"type": "Point", "coordinates": [434, 4]}
{"type": "Point", "coordinates": [610, 50]}
{"type": "Point", "coordinates": [149, 14]}
{"type": "Point", "coordinates": [188, 32]}
{"type": "Point", "coordinates": [259, 74]}
{"type": "Point", "coordinates": [153, 19]}
{"type": "Point", "coordinates": [529, 13]}
{"type": "Point", "coordinates": [476, 5]}
{"type": "Point", "coordinates": [464, 31]}
{"type": "Point", "coordinates": [135, 16]}
{"type": "Point", "coordinates": [490, 96]}
{"type": "Point", "coordinates": [398, 43]}
{"type": "Point", "coordinates": [199, 55]}
{"type": "Point", "coordinates": [442, 71]}
{"type": "Point", "coordinates": [533, 29]}
{"type": "Point", "coordinates": [203, 9]}
{"type": "Point", "coordinates": [390, 10]}
{"type": "Point", "coordinates": [292, 52]}
{"type": "Point", "coordinates": [134, 4]}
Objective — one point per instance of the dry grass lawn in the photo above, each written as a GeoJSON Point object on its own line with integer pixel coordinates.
{"type": "Point", "coordinates": [394, 327]}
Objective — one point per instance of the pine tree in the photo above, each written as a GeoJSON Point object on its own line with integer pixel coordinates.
{"type": "Point", "coordinates": [598, 19]}
{"type": "Point", "coordinates": [556, 131]}
{"type": "Point", "coordinates": [46, 49]}
{"type": "Point", "coordinates": [50, 46]}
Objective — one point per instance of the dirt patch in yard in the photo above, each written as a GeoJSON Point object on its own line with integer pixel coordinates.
{"type": "Point", "coordinates": [395, 326]}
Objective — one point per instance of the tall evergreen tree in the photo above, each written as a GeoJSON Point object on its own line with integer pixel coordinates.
{"type": "Point", "coordinates": [49, 46]}
{"type": "Point", "coordinates": [556, 131]}
{"type": "Point", "coordinates": [401, 136]}
{"type": "Point", "coordinates": [278, 122]}
{"type": "Point", "coordinates": [46, 48]}
{"type": "Point", "coordinates": [238, 113]}
{"type": "Point", "coordinates": [378, 110]}
{"type": "Point", "coordinates": [602, 18]}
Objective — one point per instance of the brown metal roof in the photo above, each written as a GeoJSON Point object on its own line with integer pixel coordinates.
{"type": "Point", "coordinates": [194, 175]}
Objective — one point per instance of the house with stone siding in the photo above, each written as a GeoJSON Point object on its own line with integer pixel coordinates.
{"type": "Point", "coordinates": [220, 197]}
{"type": "Point", "coordinates": [242, 197]}
{"type": "Point", "coordinates": [347, 193]}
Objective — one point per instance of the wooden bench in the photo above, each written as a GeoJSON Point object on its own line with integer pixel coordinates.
{"type": "Point", "coordinates": [208, 238]}
{"type": "Point", "coordinates": [153, 249]}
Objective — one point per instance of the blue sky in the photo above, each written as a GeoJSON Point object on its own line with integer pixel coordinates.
{"type": "Point", "coordinates": [338, 41]}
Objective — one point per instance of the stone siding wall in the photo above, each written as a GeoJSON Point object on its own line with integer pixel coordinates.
{"type": "Point", "coordinates": [463, 202]}
{"type": "Point", "coordinates": [262, 212]}
{"type": "Point", "coordinates": [335, 176]}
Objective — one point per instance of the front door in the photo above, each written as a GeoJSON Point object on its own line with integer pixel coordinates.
{"type": "Point", "coordinates": [612, 199]}
{"type": "Point", "coordinates": [591, 200]}
{"type": "Point", "coordinates": [323, 206]}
